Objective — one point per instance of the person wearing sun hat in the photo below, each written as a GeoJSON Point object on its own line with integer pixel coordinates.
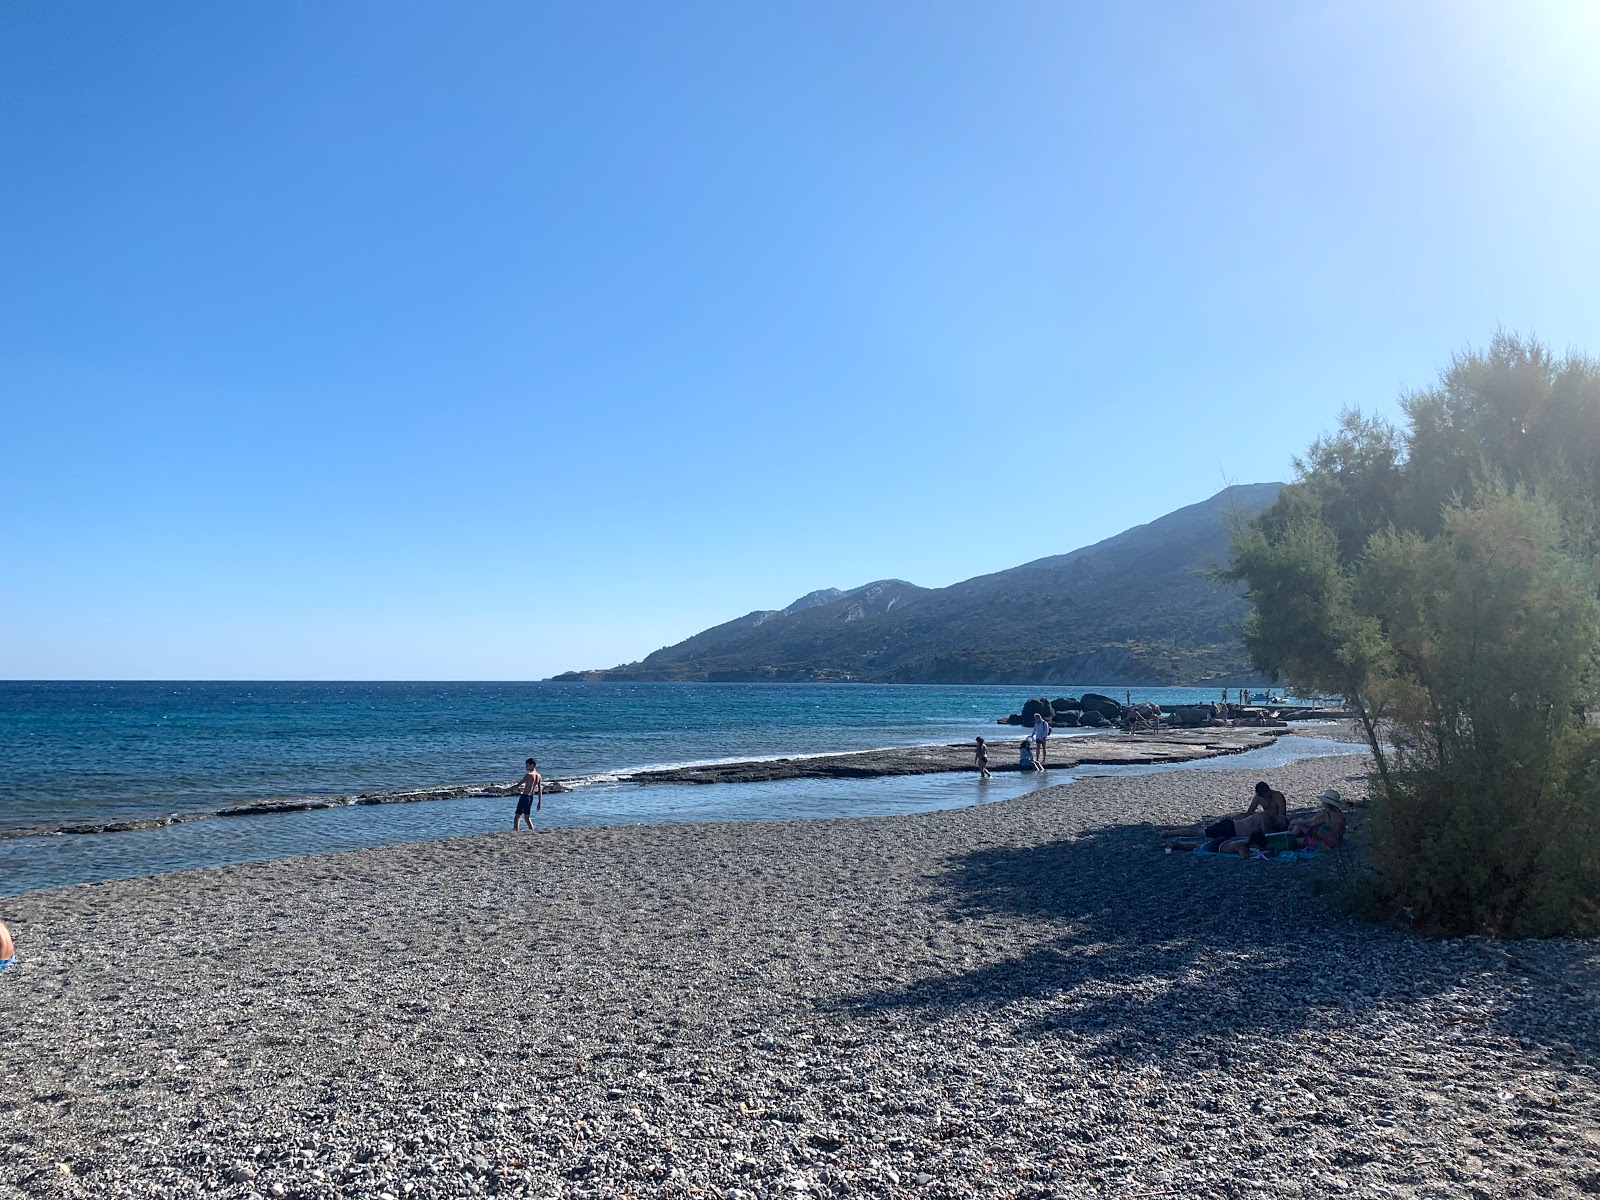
{"type": "Point", "coordinates": [1326, 829]}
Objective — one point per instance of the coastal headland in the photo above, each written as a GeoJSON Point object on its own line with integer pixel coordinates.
{"type": "Point", "coordinates": [1020, 999]}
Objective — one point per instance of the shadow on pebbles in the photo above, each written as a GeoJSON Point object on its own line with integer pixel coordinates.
{"type": "Point", "coordinates": [1021, 999]}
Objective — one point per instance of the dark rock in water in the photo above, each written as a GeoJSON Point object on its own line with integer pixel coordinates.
{"type": "Point", "coordinates": [1033, 708]}
{"type": "Point", "coordinates": [1067, 719]}
{"type": "Point", "coordinates": [1015, 719]}
{"type": "Point", "coordinates": [1104, 705]}
{"type": "Point", "coordinates": [1066, 704]}
{"type": "Point", "coordinates": [1092, 719]}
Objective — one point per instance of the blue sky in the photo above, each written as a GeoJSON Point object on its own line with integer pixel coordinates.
{"type": "Point", "coordinates": [408, 340]}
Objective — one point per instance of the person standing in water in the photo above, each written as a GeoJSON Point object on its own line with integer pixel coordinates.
{"type": "Point", "coordinates": [981, 756]}
{"type": "Point", "coordinates": [532, 786]}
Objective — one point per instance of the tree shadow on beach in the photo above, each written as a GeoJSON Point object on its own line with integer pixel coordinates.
{"type": "Point", "coordinates": [1144, 954]}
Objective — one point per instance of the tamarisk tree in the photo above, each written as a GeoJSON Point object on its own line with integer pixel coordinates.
{"type": "Point", "coordinates": [1443, 578]}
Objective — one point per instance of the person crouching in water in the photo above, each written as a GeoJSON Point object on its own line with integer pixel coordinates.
{"type": "Point", "coordinates": [981, 756]}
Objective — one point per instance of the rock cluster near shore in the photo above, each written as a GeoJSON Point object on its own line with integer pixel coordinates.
{"type": "Point", "coordinates": [1024, 999]}
{"type": "Point", "coordinates": [1095, 711]}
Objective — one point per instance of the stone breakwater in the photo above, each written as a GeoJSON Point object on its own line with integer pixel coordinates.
{"type": "Point", "coordinates": [1064, 754]}
{"type": "Point", "coordinates": [1022, 999]}
{"type": "Point", "coordinates": [294, 804]}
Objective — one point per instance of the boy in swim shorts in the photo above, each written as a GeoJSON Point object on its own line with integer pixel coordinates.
{"type": "Point", "coordinates": [532, 785]}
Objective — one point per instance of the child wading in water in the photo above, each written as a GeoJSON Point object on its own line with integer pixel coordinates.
{"type": "Point", "coordinates": [981, 755]}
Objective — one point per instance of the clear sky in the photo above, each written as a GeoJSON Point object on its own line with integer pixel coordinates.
{"type": "Point", "coordinates": [401, 340]}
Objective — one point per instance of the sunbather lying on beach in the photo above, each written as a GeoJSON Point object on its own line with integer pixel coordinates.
{"type": "Point", "coordinates": [1324, 830]}
{"type": "Point", "coordinates": [1268, 812]}
{"type": "Point", "coordinates": [1224, 830]}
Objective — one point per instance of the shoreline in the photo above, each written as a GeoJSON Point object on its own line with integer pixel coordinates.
{"type": "Point", "coordinates": [1021, 998]}
{"type": "Point", "coordinates": [917, 759]}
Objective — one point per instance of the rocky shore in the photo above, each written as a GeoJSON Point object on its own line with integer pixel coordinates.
{"type": "Point", "coordinates": [1168, 746]}
{"type": "Point", "coordinates": [1022, 999]}
{"type": "Point", "coordinates": [290, 804]}
{"type": "Point", "coordinates": [1164, 747]}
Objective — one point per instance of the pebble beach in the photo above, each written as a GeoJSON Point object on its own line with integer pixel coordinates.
{"type": "Point", "coordinates": [1020, 999]}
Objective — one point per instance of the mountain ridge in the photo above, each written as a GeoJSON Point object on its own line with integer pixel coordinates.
{"type": "Point", "coordinates": [1131, 608]}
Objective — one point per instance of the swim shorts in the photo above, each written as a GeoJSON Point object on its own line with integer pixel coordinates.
{"type": "Point", "coordinates": [1221, 829]}
{"type": "Point", "coordinates": [525, 805]}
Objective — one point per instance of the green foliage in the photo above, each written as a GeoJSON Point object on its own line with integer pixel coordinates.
{"type": "Point", "coordinates": [1351, 479]}
{"type": "Point", "coordinates": [1304, 625]}
{"type": "Point", "coordinates": [1494, 631]}
{"type": "Point", "coordinates": [1450, 592]}
{"type": "Point", "coordinates": [1511, 416]}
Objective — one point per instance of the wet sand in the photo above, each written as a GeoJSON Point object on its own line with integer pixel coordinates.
{"type": "Point", "coordinates": [1022, 999]}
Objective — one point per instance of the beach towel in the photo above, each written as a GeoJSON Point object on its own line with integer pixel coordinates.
{"type": "Point", "coordinates": [1303, 855]}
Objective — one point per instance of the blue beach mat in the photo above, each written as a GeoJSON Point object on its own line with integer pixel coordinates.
{"type": "Point", "coordinates": [1283, 856]}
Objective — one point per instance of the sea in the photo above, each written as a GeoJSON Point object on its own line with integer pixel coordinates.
{"type": "Point", "coordinates": [98, 752]}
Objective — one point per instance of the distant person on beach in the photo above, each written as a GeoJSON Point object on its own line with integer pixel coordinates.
{"type": "Point", "coordinates": [532, 785]}
{"type": "Point", "coordinates": [981, 755]}
{"type": "Point", "coordinates": [8, 949]}
{"type": "Point", "coordinates": [1041, 734]}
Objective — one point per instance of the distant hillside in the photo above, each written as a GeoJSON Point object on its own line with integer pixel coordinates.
{"type": "Point", "coordinates": [1131, 609]}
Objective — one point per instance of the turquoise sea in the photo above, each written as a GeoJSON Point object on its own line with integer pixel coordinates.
{"type": "Point", "coordinates": [95, 752]}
